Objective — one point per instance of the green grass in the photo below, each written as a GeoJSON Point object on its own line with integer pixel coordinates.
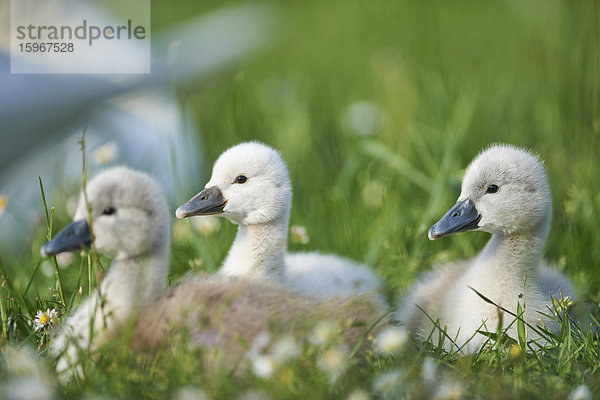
{"type": "Point", "coordinates": [449, 78]}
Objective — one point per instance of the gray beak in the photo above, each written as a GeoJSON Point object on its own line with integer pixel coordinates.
{"type": "Point", "coordinates": [73, 237]}
{"type": "Point", "coordinates": [462, 217]}
{"type": "Point", "coordinates": [208, 202]}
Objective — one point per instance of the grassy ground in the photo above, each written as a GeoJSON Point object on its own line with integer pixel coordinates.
{"type": "Point", "coordinates": [377, 109]}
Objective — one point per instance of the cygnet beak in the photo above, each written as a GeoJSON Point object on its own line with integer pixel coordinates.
{"type": "Point", "coordinates": [208, 202]}
{"type": "Point", "coordinates": [73, 237]}
{"type": "Point", "coordinates": [462, 217]}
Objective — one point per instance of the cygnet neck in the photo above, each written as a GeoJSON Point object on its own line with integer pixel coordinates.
{"type": "Point", "coordinates": [258, 249]}
{"type": "Point", "coordinates": [512, 254]}
{"type": "Point", "coordinates": [137, 280]}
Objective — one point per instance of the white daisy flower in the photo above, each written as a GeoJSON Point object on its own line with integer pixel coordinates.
{"type": "Point", "coordinates": [449, 390]}
{"type": "Point", "coordinates": [334, 361]}
{"type": "Point", "coordinates": [391, 340]}
{"type": "Point", "coordinates": [259, 344]}
{"type": "Point", "coordinates": [47, 268]}
{"type": "Point", "coordinates": [263, 366]}
{"type": "Point", "coordinates": [359, 394]}
{"type": "Point", "coordinates": [388, 383]}
{"type": "Point", "coordinates": [253, 394]}
{"type": "Point", "coordinates": [45, 318]}
{"type": "Point", "coordinates": [581, 392]}
{"type": "Point", "coordinates": [299, 235]}
{"type": "Point", "coordinates": [64, 259]}
{"type": "Point", "coordinates": [285, 349]}
{"type": "Point", "coordinates": [106, 153]}
{"type": "Point", "coordinates": [191, 393]}
{"type": "Point", "coordinates": [323, 333]}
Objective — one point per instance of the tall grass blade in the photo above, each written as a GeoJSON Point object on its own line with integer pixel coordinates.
{"type": "Point", "coordinates": [521, 327]}
{"type": "Point", "coordinates": [49, 219]}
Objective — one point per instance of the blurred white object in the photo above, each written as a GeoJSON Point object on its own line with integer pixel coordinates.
{"type": "Point", "coordinates": [129, 119]}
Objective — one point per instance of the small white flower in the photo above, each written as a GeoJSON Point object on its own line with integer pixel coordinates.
{"type": "Point", "coordinates": [3, 203]}
{"type": "Point", "coordinates": [64, 259]}
{"type": "Point", "coordinates": [581, 392]}
{"type": "Point", "coordinates": [362, 118]}
{"type": "Point", "coordinates": [45, 318]}
{"type": "Point", "coordinates": [299, 234]}
{"type": "Point", "coordinates": [285, 349]}
{"type": "Point", "coordinates": [191, 393]}
{"type": "Point", "coordinates": [106, 153]}
{"type": "Point", "coordinates": [391, 340]}
{"type": "Point", "coordinates": [259, 344]}
{"type": "Point", "coordinates": [449, 390]}
{"type": "Point", "coordinates": [263, 366]}
{"type": "Point", "coordinates": [207, 225]}
{"type": "Point", "coordinates": [253, 394]}
{"type": "Point", "coordinates": [388, 382]}
{"type": "Point", "coordinates": [359, 394]}
{"type": "Point", "coordinates": [47, 268]}
{"type": "Point", "coordinates": [323, 333]}
{"type": "Point", "coordinates": [333, 361]}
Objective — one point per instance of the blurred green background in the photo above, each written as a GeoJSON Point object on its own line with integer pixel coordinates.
{"type": "Point", "coordinates": [435, 82]}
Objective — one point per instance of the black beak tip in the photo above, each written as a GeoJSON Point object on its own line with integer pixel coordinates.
{"type": "Point", "coordinates": [433, 233]}
{"type": "Point", "coordinates": [181, 213]}
{"type": "Point", "coordinates": [45, 251]}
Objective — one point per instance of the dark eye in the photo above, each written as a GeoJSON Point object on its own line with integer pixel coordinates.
{"type": "Point", "coordinates": [109, 211]}
{"type": "Point", "coordinates": [492, 189]}
{"type": "Point", "coordinates": [241, 179]}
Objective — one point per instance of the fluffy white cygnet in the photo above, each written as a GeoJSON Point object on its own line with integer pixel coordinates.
{"type": "Point", "coordinates": [131, 225]}
{"type": "Point", "coordinates": [504, 192]}
{"type": "Point", "coordinates": [250, 186]}
{"type": "Point", "coordinates": [130, 222]}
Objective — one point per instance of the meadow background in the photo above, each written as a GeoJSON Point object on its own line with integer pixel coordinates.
{"type": "Point", "coordinates": [377, 108]}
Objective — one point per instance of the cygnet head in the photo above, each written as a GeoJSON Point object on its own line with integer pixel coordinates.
{"type": "Point", "coordinates": [129, 216]}
{"type": "Point", "coordinates": [249, 185]}
{"type": "Point", "coordinates": [504, 192]}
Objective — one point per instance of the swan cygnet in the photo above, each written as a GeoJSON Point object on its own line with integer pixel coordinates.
{"type": "Point", "coordinates": [250, 186]}
{"type": "Point", "coordinates": [131, 225]}
{"type": "Point", "coordinates": [217, 312]}
{"type": "Point", "coordinates": [504, 192]}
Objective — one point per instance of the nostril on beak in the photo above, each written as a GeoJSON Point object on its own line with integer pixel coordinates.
{"type": "Point", "coordinates": [203, 197]}
{"type": "Point", "coordinates": [456, 214]}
